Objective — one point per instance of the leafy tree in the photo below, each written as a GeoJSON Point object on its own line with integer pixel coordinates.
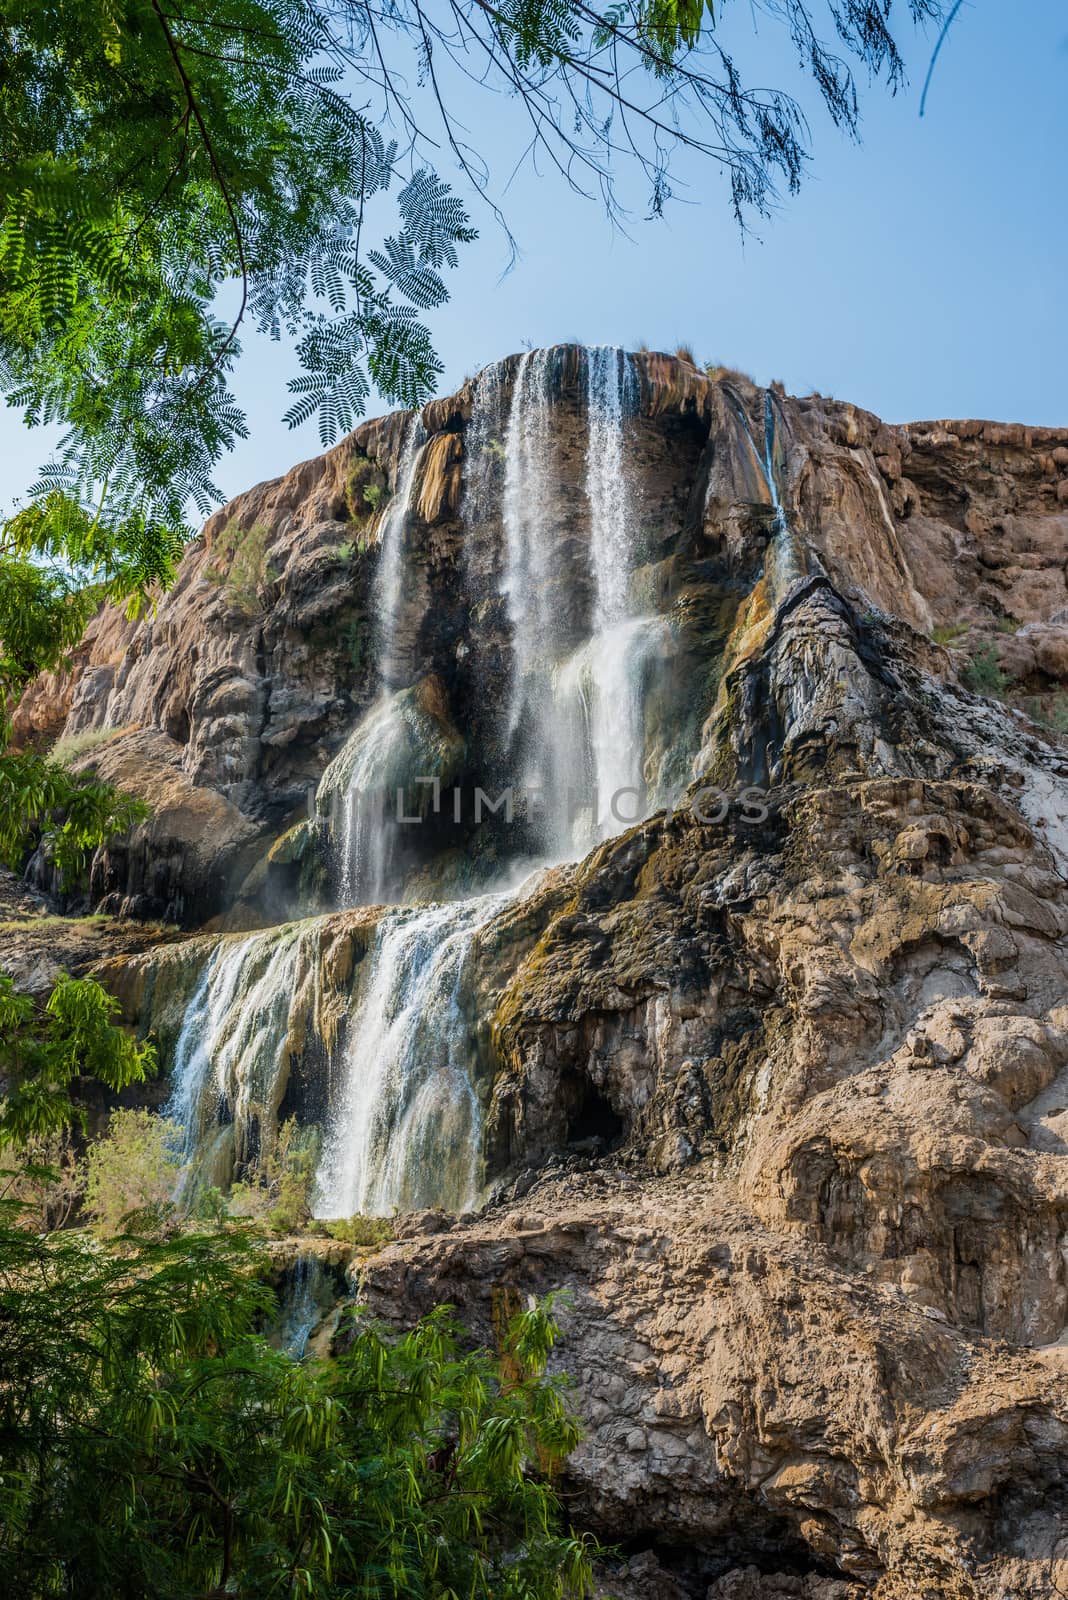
{"type": "Point", "coordinates": [152, 1444]}
{"type": "Point", "coordinates": [43, 612]}
{"type": "Point", "coordinates": [155, 152]}
{"type": "Point", "coordinates": [45, 1046]}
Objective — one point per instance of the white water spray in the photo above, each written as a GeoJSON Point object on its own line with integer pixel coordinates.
{"type": "Point", "coordinates": [352, 785]}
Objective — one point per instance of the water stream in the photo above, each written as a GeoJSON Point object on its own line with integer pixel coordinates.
{"type": "Point", "coordinates": [236, 1032]}
{"type": "Point", "coordinates": [406, 1130]}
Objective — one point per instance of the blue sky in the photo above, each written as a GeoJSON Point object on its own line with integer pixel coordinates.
{"type": "Point", "coordinates": [920, 273]}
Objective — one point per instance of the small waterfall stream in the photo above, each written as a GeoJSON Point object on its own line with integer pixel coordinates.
{"type": "Point", "coordinates": [406, 1132]}
{"type": "Point", "coordinates": [377, 754]}
{"type": "Point", "coordinates": [235, 1032]}
{"type": "Point", "coordinates": [405, 1127]}
{"type": "Point", "coordinates": [389, 577]}
{"type": "Point", "coordinates": [783, 564]}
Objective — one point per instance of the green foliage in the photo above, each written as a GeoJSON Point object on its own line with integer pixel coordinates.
{"type": "Point", "coordinates": [363, 1233]}
{"type": "Point", "coordinates": [152, 1444]}
{"type": "Point", "coordinates": [277, 1189]}
{"type": "Point", "coordinates": [45, 1046]}
{"type": "Point", "coordinates": [983, 673]}
{"type": "Point", "coordinates": [945, 633]}
{"type": "Point", "coordinates": [43, 613]}
{"type": "Point", "coordinates": [241, 564]}
{"type": "Point", "coordinates": [65, 751]}
{"type": "Point", "coordinates": [41, 1181]}
{"type": "Point", "coordinates": [72, 815]}
{"type": "Point", "coordinates": [42, 617]}
{"type": "Point", "coordinates": [147, 159]}
{"type": "Point", "coordinates": [133, 1168]}
{"type": "Point", "coordinates": [364, 492]}
{"type": "Point", "coordinates": [1051, 714]}
{"type": "Point", "coordinates": [353, 643]}
{"type": "Point", "coordinates": [151, 158]}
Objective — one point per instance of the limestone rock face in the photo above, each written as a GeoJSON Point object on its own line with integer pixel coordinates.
{"type": "Point", "coordinates": [255, 667]}
{"type": "Point", "coordinates": [775, 1082]}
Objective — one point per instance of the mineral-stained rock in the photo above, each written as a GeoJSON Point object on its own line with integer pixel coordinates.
{"type": "Point", "coordinates": [776, 1089]}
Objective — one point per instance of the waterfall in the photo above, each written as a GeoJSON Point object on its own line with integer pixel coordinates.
{"type": "Point", "coordinates": [355, 789]}
{"type": "Point", "coordinates": [303, 1305]}
{"type": "Point", "coordinates": [388, 589]}
{"type": "Point", "coordinates": [406, 1131]}
{"type": "Point", "coordinates": [483, 446]}
{"type": "Point", "coordinates": [404, 1126]}
{"type": "Point", "coordinates": [575, 717]}
{"type": "Point", "coordinates": [608, 675]}
{"type": "Point", "coordinates": [528, 554]}
{"type": "Point", "coordinates": [375, 757]}
{"type": "Point", "coordinates": [611, 395]}
{"type": "Point", "coordinates": [235, 1034]}
{"type": "Point", "coordinates": [783, 564]}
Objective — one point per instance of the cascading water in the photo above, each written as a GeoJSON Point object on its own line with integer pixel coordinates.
{"type": "Point", "coordinates": [390, 573]}
{"type": "Point", "coordinates": [783, 564]}
{"type": "Point", "coordinates": [575, 719]}
{"type": "Point", "coordinates": [609, 673]}
{"type": "Point", "coordinates": [303, 1306]}
{"type": "Point", "coordinates": [235, 1033]}
{"type": "Point", "coordinates": [611, 396]}
{"type": "Point", "coordinates": [377, 754]}
{"type": "Point", "coordinates": [406, 1132]}
{"type": "Point", "coordinates": [528, 553]}
{"type": "Point", "coordinates": [405, 1127]}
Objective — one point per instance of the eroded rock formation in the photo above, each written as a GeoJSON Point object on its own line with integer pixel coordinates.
{"type": "Point", "coordinates": [777, 1088]}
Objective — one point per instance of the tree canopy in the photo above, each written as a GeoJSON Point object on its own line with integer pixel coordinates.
{"type": "Point", "coordinates": [154, 153]}
{"type": "Point", "coordinates": [155, 1445]}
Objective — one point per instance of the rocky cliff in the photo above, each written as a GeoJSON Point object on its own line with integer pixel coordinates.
{"type": "Point", "coordinates": [774, 1080]}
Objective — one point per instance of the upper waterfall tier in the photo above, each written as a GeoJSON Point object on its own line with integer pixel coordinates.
{"type": "Point", "coordinates": [576, 537]}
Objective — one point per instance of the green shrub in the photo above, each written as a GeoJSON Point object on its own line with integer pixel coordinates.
{"type": "Point", "coordinates": [276, 1190]}
{"type": "Point", "coordinates": [152, 1443]}
{"type": "Point", "coordinates": [240, 563]}
{"type": "Point", "coordinates": [365, 489]}
{"type": "Point", "coordinates": [983, 674]}
{"type": "Point", "coordinates": [359, 1231]}
{"type": "Point", "coordinates": [1053, 715]}
{"type": "Point", "coordinates": [134, 1167]}
{"type": "Point", "coordinates": [80, 744]}
{"type": "Point", "coordinates": [946, 632]}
